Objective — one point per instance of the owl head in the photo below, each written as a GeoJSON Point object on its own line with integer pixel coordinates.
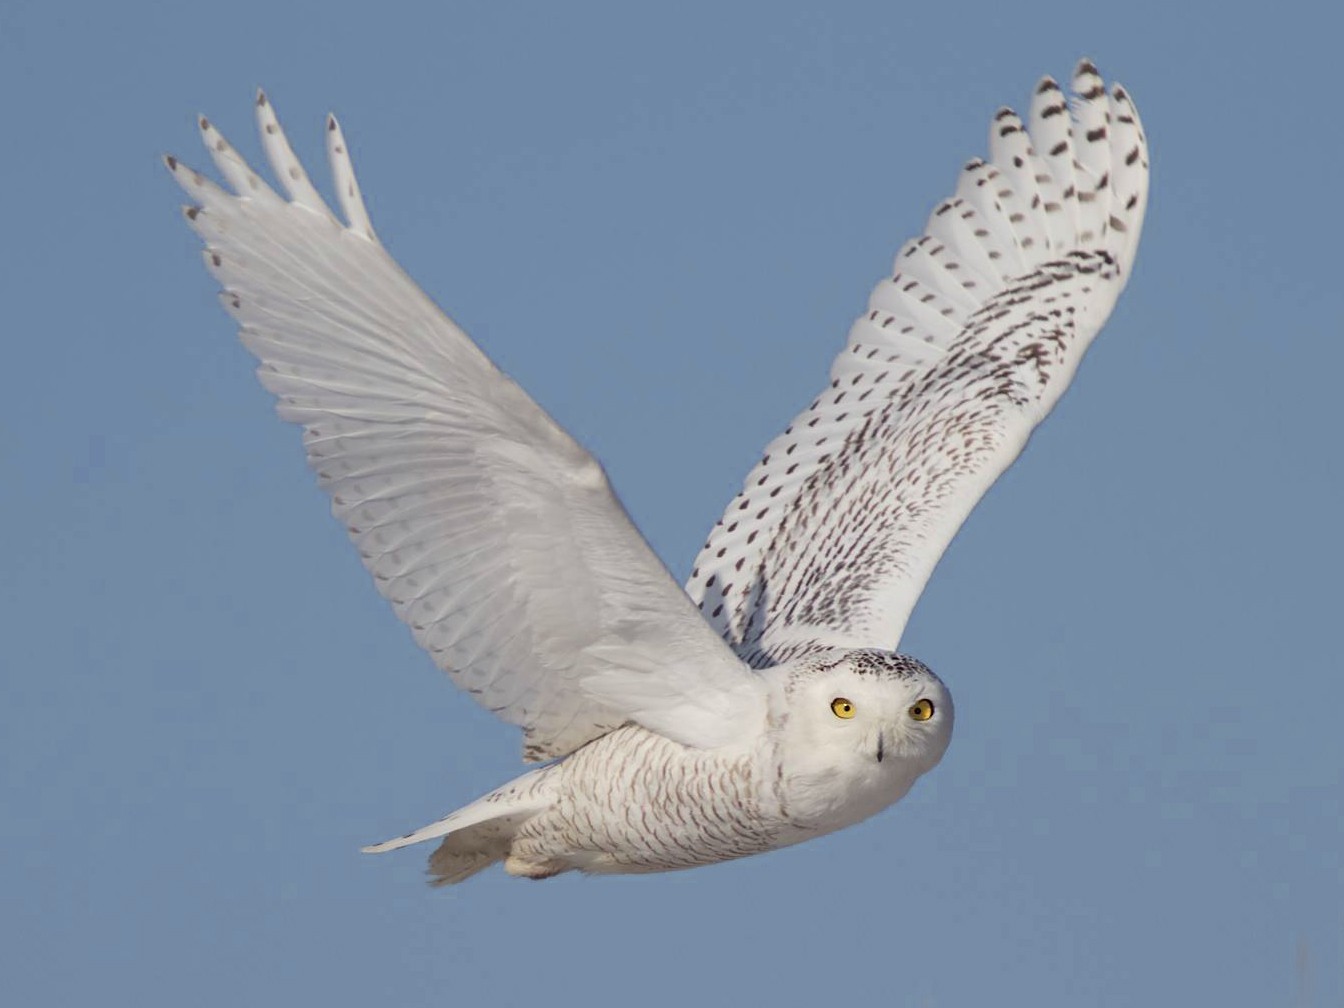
{"type": "Point", "coordinates": [853, 730]}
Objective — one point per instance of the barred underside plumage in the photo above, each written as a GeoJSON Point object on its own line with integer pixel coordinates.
{"type": "Point", "coordinates": [632, 801]}
{"type": "Point", "coordinates": [961, 353]}
{"type": "Point", "coordinates": [637, 802]}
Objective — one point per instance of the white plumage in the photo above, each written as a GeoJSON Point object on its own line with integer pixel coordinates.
{"type": "Point", "coordinates": [777, 712]}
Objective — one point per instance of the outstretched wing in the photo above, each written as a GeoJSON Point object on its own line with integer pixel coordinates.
{"type": "Point", "coordinates": [494, 535]}
{"type": "Point", "coordinates": [962, 352]}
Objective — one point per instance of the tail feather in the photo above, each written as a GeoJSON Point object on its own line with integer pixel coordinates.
{"type": "Point", "coordinates": [433, 831]}
{"type": "Point", "coordinates": [479, 834]}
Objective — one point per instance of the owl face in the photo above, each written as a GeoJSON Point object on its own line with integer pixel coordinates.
{"type": "Point", "coordinates": [854, 730]}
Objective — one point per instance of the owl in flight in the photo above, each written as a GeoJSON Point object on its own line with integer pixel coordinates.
{"type": "Point", "coordinates": [763, 705]}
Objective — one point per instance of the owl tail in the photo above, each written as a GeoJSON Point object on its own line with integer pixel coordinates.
{"type": "Point", "coordinates": [479, 834]}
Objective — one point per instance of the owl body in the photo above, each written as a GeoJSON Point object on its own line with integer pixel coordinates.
{"type": "Point", "coordinates": [845, 735]}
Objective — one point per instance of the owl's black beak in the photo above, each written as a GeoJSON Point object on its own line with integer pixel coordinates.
{"type": "Point", "coordinates": [881, 741]}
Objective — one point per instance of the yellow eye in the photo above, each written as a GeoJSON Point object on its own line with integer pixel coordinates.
{"type": "Point", "coordinates": [842, 708]}
{"type": "Point", "coordinates": [921, 710]}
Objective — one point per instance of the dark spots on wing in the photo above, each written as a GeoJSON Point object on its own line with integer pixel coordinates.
{"type": "Point", "coordinates": [849, 517]}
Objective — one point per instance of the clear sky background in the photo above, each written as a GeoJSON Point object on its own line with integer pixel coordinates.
{"type": "Point", "coordinates": [661, 220]}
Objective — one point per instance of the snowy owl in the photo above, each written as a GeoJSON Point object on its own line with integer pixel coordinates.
{"type": "Point", "coordinates": [764, 704]}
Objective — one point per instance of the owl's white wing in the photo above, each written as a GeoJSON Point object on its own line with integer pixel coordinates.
{"type": "Point", "coordinates": [959, 356]}
{"type": "Point", "coordinates": [494, 535]}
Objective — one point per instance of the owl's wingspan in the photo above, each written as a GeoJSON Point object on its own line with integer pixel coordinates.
{"type": "Point", "coordinates": [962, 352]}
{"type": "Point", "coordinates": [494, 535]}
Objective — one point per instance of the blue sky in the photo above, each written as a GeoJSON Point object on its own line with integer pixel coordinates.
{"type": "Point", "coordinates": [661, 220]}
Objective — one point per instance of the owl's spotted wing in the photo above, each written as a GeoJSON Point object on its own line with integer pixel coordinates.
{"type": "Point", "coordinates": [961, 353]}
{"type": "Point", "coordinates": [494, 535]}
